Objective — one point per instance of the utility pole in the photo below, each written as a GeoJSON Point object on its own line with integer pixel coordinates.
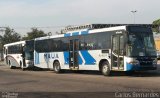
{"type": "Point", "coordinates": [134, 11]}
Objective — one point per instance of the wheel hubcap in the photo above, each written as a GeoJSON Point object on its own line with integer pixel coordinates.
{"type": "Point", "coordinates": [105, 68]}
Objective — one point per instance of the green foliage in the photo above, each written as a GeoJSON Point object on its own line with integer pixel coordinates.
{"type": "Point", "coordinates": [156, 28]}
{"type": "Point", "coordinates": [35, 33]}
{"type": "Point", "coordinates": [10, 36]}
{"type": "Point", "coordinates": [1, 47]}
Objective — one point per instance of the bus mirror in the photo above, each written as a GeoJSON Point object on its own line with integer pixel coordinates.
{"type": "Point", "coordinates": [22, 55]}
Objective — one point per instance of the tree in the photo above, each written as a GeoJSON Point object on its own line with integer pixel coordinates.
{"type": "Point", "coordinates": [35, 33]}
{"type": "Point", "coordinates": [157, 27]}
{"type": "Point", "coordinates": [1, 47]}
{"type": "Point", "coordinates": [10, 36]}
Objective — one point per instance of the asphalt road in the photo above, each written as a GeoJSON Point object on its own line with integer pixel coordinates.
{"type": "Point", "coordinates": [16, 80]}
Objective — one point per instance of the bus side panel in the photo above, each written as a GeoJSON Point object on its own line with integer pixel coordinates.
{"type": "Point", "coordinates": [40, 61]}
{"type": "Point", "coordinates": [46, 60]}
{"type": "Point", "coordinates": [14, 60]}
{"type": "Point", "coordinates": [91, 59]}
{"type": "Point", "coordinates": [66, 58]}
{"type": "Point", "coordinates": [88, 60]}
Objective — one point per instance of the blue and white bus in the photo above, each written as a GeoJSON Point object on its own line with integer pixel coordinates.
{"type": "Point", "coordinates": [120, 48]}
{"type": "Point", "coordinates": [19, 54]}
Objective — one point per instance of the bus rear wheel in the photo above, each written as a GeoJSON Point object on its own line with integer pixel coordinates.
{"type": "Point", "coordinates": [105, 68]}
{"type": "Point", "coordinates": [12, 67]}
{"type": "Point", "coordinates": [56, 67]}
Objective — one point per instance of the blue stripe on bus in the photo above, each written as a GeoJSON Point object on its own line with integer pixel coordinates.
{"type": "Point", "coordinates": [75, 33]}
{"type": "Point", "coordinates": [80, 59]}
{"type": "Point", "coordinates": [130, 67]}
{"type": "Point", "coordinates": [66, 57]}
{"type": "Point", "coordinates": [37, 58]}
{"type": "Point", "coordinates": [67, 34]}
{"type": "Point", "coordinates": [84, 32]}
{"type": "Point", "coordinates": [46, 58]}
{"type": "Point", "coordinates": [89, 60]}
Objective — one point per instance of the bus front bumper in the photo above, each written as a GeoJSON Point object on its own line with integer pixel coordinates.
{"type": "Point", "coordinates": [131, 67]}
{"type": "Point", "coordinates": [29, 64]}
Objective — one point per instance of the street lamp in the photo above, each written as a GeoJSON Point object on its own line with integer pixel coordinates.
{"type": "Point", "coordinates": [134, 11]}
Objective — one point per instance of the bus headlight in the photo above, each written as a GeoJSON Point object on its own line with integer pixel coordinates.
{"type": "Point", "coordinates": [155, 62]}
{"type": "Point", "coordinates": [134, 62]}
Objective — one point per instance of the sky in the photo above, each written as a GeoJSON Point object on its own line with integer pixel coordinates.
{"type": "Point", "coordinates": [52, 15]}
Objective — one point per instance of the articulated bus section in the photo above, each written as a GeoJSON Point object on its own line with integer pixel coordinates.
{"type": "Point", "coordinates": [121, 48]}
{"type": "Point", "coordinates": [19, 54]}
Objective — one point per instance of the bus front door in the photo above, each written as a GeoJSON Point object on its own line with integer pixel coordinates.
{"type": "Point", "coordinates": [117, 52]}
{"type": "Point", "coordinates": [73, 54]}
{"type": "Point", "coordinates": [23, 58]}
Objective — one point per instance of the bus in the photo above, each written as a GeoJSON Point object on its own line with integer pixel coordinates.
{"type": "Point", "coordinates": [19, 54]}
{"type": "Point", "coordinates": [126, 48]}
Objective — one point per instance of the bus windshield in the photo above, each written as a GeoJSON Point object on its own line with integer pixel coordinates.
{"type": "Point", "coordinates": [29, 55]}
{"type": "Point", "coordinates": [141, 44]}
{"type": "Point", "coordinates": [29, 50]}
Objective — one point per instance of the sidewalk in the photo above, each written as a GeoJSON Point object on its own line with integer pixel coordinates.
{"type": "Point", "coordinates": [2, 63]}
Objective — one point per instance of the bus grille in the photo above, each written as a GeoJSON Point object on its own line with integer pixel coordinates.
{"type": "Point", "coordinates": [145, 61]}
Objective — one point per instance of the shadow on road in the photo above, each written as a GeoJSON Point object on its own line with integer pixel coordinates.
{"type": "Point", "coordinates": [138, 74]}
{"type": "Point", "coordinates": [117, 73]}
{"type": "Point", "coordinates": [113, 73]}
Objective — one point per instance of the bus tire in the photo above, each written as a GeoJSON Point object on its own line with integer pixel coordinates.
{"type": "Point", "coordinates": [20, 64]}
{"type": "Point", "coordinates": [23, 69]}
{"type": "Point", "coordinates": [105, 68]}
{"type": "Point", "coordinates": [11, 67]}
{"type": "Point", "coordinates": [57, 67]}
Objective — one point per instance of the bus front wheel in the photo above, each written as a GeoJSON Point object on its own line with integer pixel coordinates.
{"type": "Point", "coordinates": [10, 65]}
{"type": "Point", "coordinates": [105, 69]}
{"type": "Point", "coordinates": [23, 69]}
{"type": "Point", "coordinates": [57, 67]}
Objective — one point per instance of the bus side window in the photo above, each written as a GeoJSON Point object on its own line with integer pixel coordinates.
{"type": "Point", "coordinates": [23, 51]}
{"type": "Point", "coordinates": [121, 45]}
{"type": "Point", "coordinates": [82, 43]}
{"type": "Point", "coordinates": [4, 50]}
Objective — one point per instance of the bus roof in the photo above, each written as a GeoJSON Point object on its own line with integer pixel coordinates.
{"type": "Point", "coordinates": [14, 43]}
{"type": "Point", "coordinates": [89, 31]}
{"type": "Point", "coordinates": [83, 30]}
{"type": "Point", "coordinates": [92, 28]}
